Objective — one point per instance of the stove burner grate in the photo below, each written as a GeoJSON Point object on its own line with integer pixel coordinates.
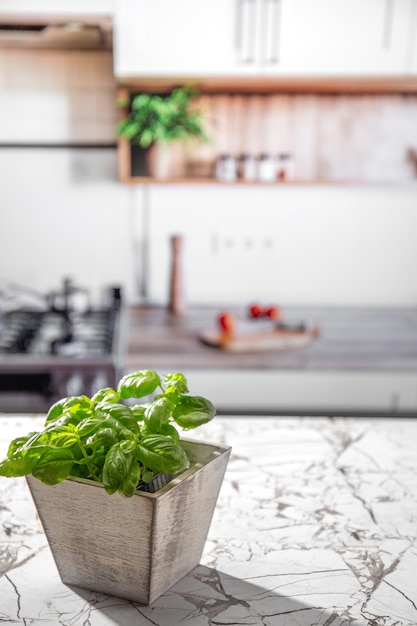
{"type": "Point", "coordinates": [58, 351]}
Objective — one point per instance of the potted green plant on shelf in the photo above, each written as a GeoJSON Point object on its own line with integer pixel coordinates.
{"type": "Point", "coordinates": [156, 122]}
{"type": "Point", "coordinates": [92, 472]}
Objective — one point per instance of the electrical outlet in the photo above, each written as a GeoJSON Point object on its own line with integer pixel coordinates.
{"type": "Point", "coordinates": [224, 244]}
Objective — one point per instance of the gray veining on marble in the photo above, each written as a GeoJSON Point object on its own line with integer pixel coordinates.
{"type": "Point", "coordinates": [316, 525]}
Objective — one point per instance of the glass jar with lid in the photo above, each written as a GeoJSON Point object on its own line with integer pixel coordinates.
{"type": "Point", "coordinates": [286, 166]}
{"type": "Point", "coordinates": [226, 168]}
{"type": "Point", "coordinates": [267, 169]}
{"type": "Point", "coordinates": [247, 167]}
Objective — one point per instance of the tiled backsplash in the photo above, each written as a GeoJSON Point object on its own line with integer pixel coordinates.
{"type": "Point", "coordinates": [57, 96]}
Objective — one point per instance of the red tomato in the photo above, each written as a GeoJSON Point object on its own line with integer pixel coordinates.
{"type": "Point", "coordinates": [255, 310]}
{"type": "Point", "coordinates": [273, 312]}
{"type": "Point", "coordinates": [227, 321]}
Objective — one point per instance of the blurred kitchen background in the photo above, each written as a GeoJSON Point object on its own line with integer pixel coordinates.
{"type": "Point", "coordinates": [322, 91]}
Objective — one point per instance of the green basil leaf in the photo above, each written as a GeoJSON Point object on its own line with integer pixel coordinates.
{"type": "Point", "coordinates": [55, 435]}
{"type": "Point", "coordinates": [147, 476]}
{"type": "Point", "coordinates": [106, 395]}
{"type": "Point", "coordinates": [121, 430]}
{"type": "Point", "coordinates": [19, 466]}
{"type": "Point", "coordinates": [105, 437]}
{"type": "Point", "coordinates": [139, 411]}
{"type": "Point", "coordinates": [122, 414]}
{"type": "Point", "coordinates": [157, 413]}
{"type": "Point", "coordinates": [32, 442]}
{"type": "Point", "coordinates": [138, 384]}
{"type": "Point", "coordinates": [170, 431]}
{"type": "Point", "coordinates": [60, 437]}
{"type": "Point", "coordinates": [56, 411]}
{"type": "Point", "coordinates": [160, 453]}
{"type": "Point", "coordinates": [77, 406]}
{"type": "Point", "coordinates": [53, 472]}
{"type": "Point", "coordinates": [192, 411]}
{"type": "Point", "coordinates": [89, 426]}
{"type": "Point", "coordinates": [128, 487]}
{"type": "Point", "coordinates": [120, 468]}
{"type": "Point", "coordinates": [33, 451]}
{"type": "Point", "coordinates": [172, 394]}
{"type": "Point", "coordinates": [177, 380]}
{"type": "Point", "coordinates": [17, 444]}
{"type": "Point", "coordinates": [104, 420]}
{"type": "Point", "coordinates": [32, 458]}
{"type": "Point", "coordinates": [66, 419]}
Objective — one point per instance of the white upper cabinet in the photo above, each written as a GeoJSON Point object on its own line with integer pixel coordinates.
{"type": "Point", "coordinates": [413, 40]}
{"type": "Point", "coordinates": [183, 38]}
{"type": "Point", "coordinates": [344, 37]}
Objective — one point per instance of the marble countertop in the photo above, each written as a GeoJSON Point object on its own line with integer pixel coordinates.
{"type": "Point", "coordinates": [316, 524]}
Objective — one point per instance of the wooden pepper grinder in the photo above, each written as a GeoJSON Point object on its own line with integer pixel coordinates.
{"type": "Point", "coordinates": [176, 295]}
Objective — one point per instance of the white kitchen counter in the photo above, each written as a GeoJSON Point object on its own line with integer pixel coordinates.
{"type": "Point", "coordinates": [316, 523]}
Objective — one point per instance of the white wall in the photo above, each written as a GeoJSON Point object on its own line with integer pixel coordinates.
{"type": "Point", "coordinates": [315, 245]}
{"type": "Point", "coordinates": [63, 213]}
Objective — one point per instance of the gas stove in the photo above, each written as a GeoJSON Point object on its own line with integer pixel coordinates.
{"type": "Point", "coordinates": [57, 345]}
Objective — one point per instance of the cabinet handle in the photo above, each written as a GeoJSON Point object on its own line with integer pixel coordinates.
{"type": "Point", "coordinates": [272, 30]}
{"type": "Point", "coordinates": [252, 31]}
{"type": "Point", "coordinates": [387, 27]}
{"type": "Point", "coordinates": [246, 30]}
{"type": "Point", "coordinates": [239, 21]}
{"type": "Point", "coordinates": [412, 38]}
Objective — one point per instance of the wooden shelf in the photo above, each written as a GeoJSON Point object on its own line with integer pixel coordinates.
{"type": "Point", "coordinates": [147, 181]}
{"type": "Point", "coordinates": [126, 177]}
{"type": "Point", "coordinates": [276, 84]}
{"type": "Point", "coordinates": [257, 117]}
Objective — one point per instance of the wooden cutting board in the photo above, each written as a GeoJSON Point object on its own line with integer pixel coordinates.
{"type": "Point", "coordinates": [263, 340]}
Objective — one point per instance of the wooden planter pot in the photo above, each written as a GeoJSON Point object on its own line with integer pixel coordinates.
{"type": "Point", "coordinates": [135, 548]}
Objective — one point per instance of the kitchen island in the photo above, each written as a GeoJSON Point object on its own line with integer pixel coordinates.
{"type": "Point", "coordinates": [316, 523]}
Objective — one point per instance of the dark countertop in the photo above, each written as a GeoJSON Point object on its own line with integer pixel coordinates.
{"type": "Point", "coordinates": [367, 339]}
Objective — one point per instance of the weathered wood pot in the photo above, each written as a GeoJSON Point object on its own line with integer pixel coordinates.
{"type": "Point", "coordinates": [135, 548]}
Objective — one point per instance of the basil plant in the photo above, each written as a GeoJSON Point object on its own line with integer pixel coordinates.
{"type": "Point", "coordinates": [107, 440]}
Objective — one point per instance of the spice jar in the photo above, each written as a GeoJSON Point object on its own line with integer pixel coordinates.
{"type": "Point", "coordinates": [248, 167]}
{"type": "Point", "coordinates": [266, 168]}
{"type": "Point", "coordinates": [226, 168]}
{"type": "Point", "coordinates": [286, 166]}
